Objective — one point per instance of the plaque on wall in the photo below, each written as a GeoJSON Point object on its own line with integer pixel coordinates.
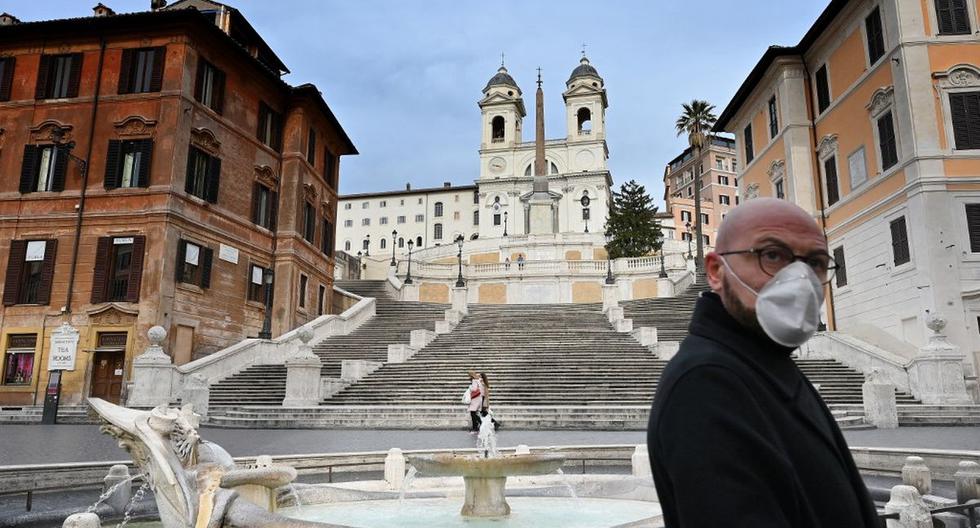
{"type": "Point", "coordinates": [228, 254]}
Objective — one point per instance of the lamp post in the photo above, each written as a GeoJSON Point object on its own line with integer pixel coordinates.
{"type": "Point", "coordinates": [505, 223]}
{"type": "Point", "coordinates": [408, 275]}
{"type": "Point", "coordinates": [687, 226]}
{"type": "Point", "coordinates": [663, 270]}
{"type": "Point", "coordinates": [459, 259]}
{"type": "Point", "coordinates": [367, 245]}
{"type": "Point", "coordinates": [394, 233]}
{"type": "Point", "coordinates": [266, 332]}
{"type": "Point", "coordinates": [609, 275]}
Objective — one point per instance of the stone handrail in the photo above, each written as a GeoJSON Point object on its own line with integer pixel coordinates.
{"type": "Point", "coordinates": [249, 352]}
{"type": "Point", "coordinates": [628, 266]}
{"type": "Point", "coordinates": [859, 355]}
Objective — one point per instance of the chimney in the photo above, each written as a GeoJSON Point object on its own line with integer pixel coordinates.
{"type": "Point", "coordinates": [408, 186]}
{"type": "Point", "coordinates": [102, 10]}
{"type": "Point", "coordinates": [6, 19]}
{"type": "Point", "coordinates": [447, 184]}
{"type": "Point", "coordinates": [158, 4]}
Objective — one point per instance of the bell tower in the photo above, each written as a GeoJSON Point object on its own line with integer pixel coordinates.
{"type": "Point", "coordinates": [585, 103]}
{"type": "Point", "coordinates": [502, 110]}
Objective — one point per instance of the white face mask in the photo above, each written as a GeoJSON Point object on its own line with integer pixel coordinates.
{"type": "Point", "coordinates": [788, 306]}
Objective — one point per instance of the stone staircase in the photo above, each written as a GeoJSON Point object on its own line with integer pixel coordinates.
{"type": "Point", "coordinates": [670, 315]}
{"type": "Point", "coordinates": [393, 323]}
{"type": "Point", "coordinates": [31, 414]}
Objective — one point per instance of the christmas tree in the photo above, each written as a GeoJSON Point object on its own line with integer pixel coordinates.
{"type": "Point", "coordinates": [632, 224]}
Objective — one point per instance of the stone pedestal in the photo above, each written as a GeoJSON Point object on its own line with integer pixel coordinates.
{"type": "Point", "coordinates": [197, 393]}
{"type": "Point", "coordinates": [665, 288]}
{"type": "Point", "coordinates": [967, 479]}
{"type": "Point", "coordinates": [610, 296]}
{"type": "Point", "coordinates": [119, 482]}
{"type": "Point", "coordinates": [153, 374]}
{"type": "Point", "coordinates": [641, 462]}
{"type": "Point", "coordinates": [410, 292]}
{"type": "Point", "coordinates": [916, 473]}
{"type": "Point", "coordinates": [623, 325]}
{"type": "Point", "coordinates": [936, 374]}
{"type": "Point", "coordinates": [666, 350]}
{"type": "Point", "coordinates": [444, 327]}
{"type": "Point", "coordinates": [303, 374]}
{"type": "Point", "coordinates": [614, 313]}
{"type": "Point", "coordinates": [395, 468]}
{"type": "Point", "coordinates": [453, 317]}
{"type": "Point", "coordinates": [485, 497]}
{"type": "Point", "coordinates": [880, 409]}
{"type": "Point", "coordinates": [421, 338]}
{"type": "Point", "coordinates": [400, 353]}
{"type": "Point", "coordinates": [908, 504]}
{"type": "Point", "coordinates": [355, 369]}
{"type": "Point", "coordinates": [460, 303]}
{"type": "Point", "coordinates": [82, 520]}
{"type": "Point", "coordinates": [646, 335]}
{"type": "Point", "coordinates": [541, 214]}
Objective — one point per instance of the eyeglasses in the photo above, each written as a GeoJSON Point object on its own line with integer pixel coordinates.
{"type": "Point", "coordinates": [774, 258]}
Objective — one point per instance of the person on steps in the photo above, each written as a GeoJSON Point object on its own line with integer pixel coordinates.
{"type": "Point", "coordinates": [486, 401]}
{"type": "Point", "coordinates": [476, 392]}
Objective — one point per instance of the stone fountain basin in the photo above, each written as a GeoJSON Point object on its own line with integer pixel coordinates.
{"type": "Point", "coordinates": [267, 477]}
{"type": "Point", "coordinates": [471, 466]}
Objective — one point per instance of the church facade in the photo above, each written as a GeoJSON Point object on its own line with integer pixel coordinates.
{"type": "Point", "coordinates": [498, 205]}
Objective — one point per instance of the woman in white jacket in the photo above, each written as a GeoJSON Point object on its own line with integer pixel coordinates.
{"type": "Point", "coordinates": [476, 393]}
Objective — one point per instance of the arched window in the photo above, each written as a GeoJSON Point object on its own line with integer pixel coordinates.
{"type": "Point", "coordinates": [384, 243]}
{"type": "Point", "coordinates": [474, 236]}
{"type": "Point", "coordinates": [364, 244]}
{"type": "Point", "coordinates": [418, 242]}
{"type": "Point", "coordinates": [584, 121]}
{"type": "Point", "coordinates": [476, 217]}
{"type": "Point", "coordinates": [401, 242]}
{"type": "Point", "coordinates": [347, 245]}
{"type": "Point", "coordinates": [438, 208]}
{"type": "Point", "coordinates": [497, 129]}
{"type": "Point", "coordinates": [553, 169]}
{"type": "Point", "coordinates": [437, 231]}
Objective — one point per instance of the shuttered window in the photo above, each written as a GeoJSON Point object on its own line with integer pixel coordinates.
{"type": "Point", "coordinates": [264, 206]}
{"type": "Point", "coordinates": [886, 141]}
{"type": "Point", "coordinates": [128, 163]}
{"type": "Point", "coordinates": [256, 281]}
{"type": "Point", "coordinates": [303, 284]}
{"type": "Point", "coordinates": [840, 275]}
{"type": "Point", "coordinates": [321, 297]}
{"type": "Point", "coordinates": [209, 86]}
{"type": "Point", "coordinates": [749, 148]}
{"type": "Point", "coordinates": [118, 270]}
{"type": "Point", "coordinates": [30, 272]}
{"type": "Point", "coordinates": [6, 77]}
{"type": "Point", "coordinates": [141, 70]}
{"type": "Point", "coordinates": [953, 17]}
{"type": "Point", "coordinates": [309, 222]}
{"type": "Point", "coordinates": [823, 89]}
{"type": "Point", "coordinates": [830, 173]}
{"type": "Point", "coordinates": [203, 175]}
{"type": "Point", "coordinates": [311, 147]}
{"type": "Point", "coordinates": [773, 119]}
{"type": "Point", "coordinates": [58, 76]}
{"type": "Point", "coordinates": [973, 226]}
{"type": "Point", "coordinates": [900, 241]}
{"type": "Point", "coordinates": [964, 108]}
{"type": "Point", "coordinates": [43, 168]}
{"type": "Point", "coordinates": [330, 168]}
{"type": "Point", "coordinates": [876, 37]}
{"type": "Point", "coordinates": [270, 127]}
{"type": "Point", "coordinates": [327, 238]}
{"type": "Point", "coordinates": [194, 264]}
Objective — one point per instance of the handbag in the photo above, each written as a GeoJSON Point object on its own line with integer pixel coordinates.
{"type": "Point", "coordinates": [466, 397]}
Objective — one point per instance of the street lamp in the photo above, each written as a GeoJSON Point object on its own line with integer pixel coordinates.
{"type": "Point", "coordinates": [266, 332]}
{"type": "Point", "coordinates": [609, 275]}
{"type": "Point", "coordinates": [408, 275]}
{"type": "Point", "coordinates": [660, 242]}
{"type": "Point", "coordinates": [505, 223]}
{"type": "Point", "coordinates": [58, 138]}
{"type": "Point", "coordinates": [687, 226]}
{"type": "Point", "coordinates": [459, 259]}
{"type": "Point", "coordinates": [394, 233]}
{"type": "Point", "coordinates": [367, 245]}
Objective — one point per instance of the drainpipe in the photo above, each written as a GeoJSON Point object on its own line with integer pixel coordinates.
{"type": "Point", "coordinates": [81, 199]}
{"type": "Point", "coordinates": [823, 214]}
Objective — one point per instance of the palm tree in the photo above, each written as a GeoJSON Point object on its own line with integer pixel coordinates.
{"type": "Point", "coordinates": [696, 121]}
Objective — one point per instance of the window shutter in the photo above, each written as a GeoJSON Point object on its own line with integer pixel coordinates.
{"type": "Point", "coordinates": [189, 177]}
{"type": "Point", "coordinates": [944, 15]}
{"type": "Point", "coordinates": [830, 172]}
{"type": "Point", "coordinates": [823, 90]}
{"type": "Point", "coordinates": [219, 91]}
{"type": "Point", "coordinates": [7, 81]}
{"type": "Point", "coordinates": [965, 113]}
{"type": "Point", "coordinates": [214, 178]}
{"type": "Point", "coordinates": [100, 276]}
{"type": "Point", "coordinates": [961, 17]}
{"type": "Point", "coordinates": [273, 210]}
{"type": "Point", "coordinates": [199, 80]}
{"type": "Point", "coordinates": [256, 188]}
{"type": "Point", "coordinates": [900, 241]}
{"type": "Point", "coordinates": [181, 252]}
{"type": "Point", "coordinates": [60, 168]}
{"type": "Point", "coordinates": [15, 268]}
{"type": "Point", "coordinates": [260, 127]}
{"type": "Point", "coordinates": [156, 77]}
{"type": "Point", "coordinates": [973, 226]}
{"type": "Point", "coordinates": [112, 164]}
{"type": "Point", "coordinates": [841, 274]}
{"type": "Point", "coordinates": [886, 140]}
{"type": "Point", "coordinates": [126, 72]}
{"type": "Point", "coordinates": [41, 88]}
{"type": "Point", "coordinates": [47, 272]}
{"type": "Point", "coordinates": [75, 77]}
{"type": "Point", "coordinates": [28, 169]}
{"type": "Point", "coordinates": [136, 269]}
{"type": "Point", "coordinates": [206, 254]}
{"type": "Point", "coordinates": [146, 150]}
{"type": "Point", "coordinates": [277, 133]}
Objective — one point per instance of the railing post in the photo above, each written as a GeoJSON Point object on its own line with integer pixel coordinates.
{"type": "Point", "coordinates": [912, 511]}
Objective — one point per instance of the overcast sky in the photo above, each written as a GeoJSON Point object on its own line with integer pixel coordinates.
{"type": "Point", "coordinates": [404, 77]}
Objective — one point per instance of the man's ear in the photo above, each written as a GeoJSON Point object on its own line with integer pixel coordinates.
{"type": "Point", "coordinates": [714, 269]}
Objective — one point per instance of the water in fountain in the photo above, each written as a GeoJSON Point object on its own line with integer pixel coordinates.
{"type": "Point", "coordinates": [487, 439]}
{"type": "Point", "coordinates": [108, 493]}
{"type": "Point", "coordinates": [137, 497]}
{"type": "Point", "coordinates": [409, 478]}
{"type": "Point", "coordinates": [568, 486]}
{"type": "Point", "coordinates": [295, 495]}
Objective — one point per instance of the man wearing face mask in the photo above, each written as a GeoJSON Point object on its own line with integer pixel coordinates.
{"type": "Point", "coordinates": [738, 436]}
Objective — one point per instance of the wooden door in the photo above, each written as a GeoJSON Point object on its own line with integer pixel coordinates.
{"type": "Point", "coordinates": [107, 375]}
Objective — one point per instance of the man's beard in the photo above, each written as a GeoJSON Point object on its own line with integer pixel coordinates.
{"type": "Point", "coordinates": [741, 313]}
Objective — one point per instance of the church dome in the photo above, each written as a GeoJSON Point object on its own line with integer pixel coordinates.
{"type": "Point", "coordinates": [502, 78]}
{"type": "Point", "coordinates": [584, 69]}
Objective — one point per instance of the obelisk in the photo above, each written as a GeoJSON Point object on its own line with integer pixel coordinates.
{"type": "Point", "coordinates": [541, 204]}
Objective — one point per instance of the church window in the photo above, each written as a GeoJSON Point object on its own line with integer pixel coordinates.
{"type": "Point", "coordinates": [401, 242]}
{"type": "Point", "coordinates": [496, 219]}
{"type": "Point", "coordinates": [476, 217]}
{"type": "Point", "coordinates": [438, 209]}
{"type": "Point", "coordinates": [347, 245]}
{"type": "Point", "coordinates": [530, 167]}
{"type": "Point", "coordinates": [497, 132]}
{"type": "Point", "coordinates": [418, 241]}
{"type": "Point", "coordinates": [384, 243]}
{"type": "Point", "coordinates": [584, 121]}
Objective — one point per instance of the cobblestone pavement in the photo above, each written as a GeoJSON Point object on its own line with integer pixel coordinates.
{"type": "Point", "coordinates": [48, 444]}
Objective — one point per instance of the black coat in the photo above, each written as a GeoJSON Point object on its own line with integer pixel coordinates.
{"type": "Point", "coordinates": [738, 437]}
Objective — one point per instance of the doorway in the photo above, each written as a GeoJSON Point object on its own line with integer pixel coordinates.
{"type": "Point", "coordinates": [108, 367]}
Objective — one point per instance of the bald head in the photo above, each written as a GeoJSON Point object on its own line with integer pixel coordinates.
{"type": "Point", "coordinates": [745, 222]}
